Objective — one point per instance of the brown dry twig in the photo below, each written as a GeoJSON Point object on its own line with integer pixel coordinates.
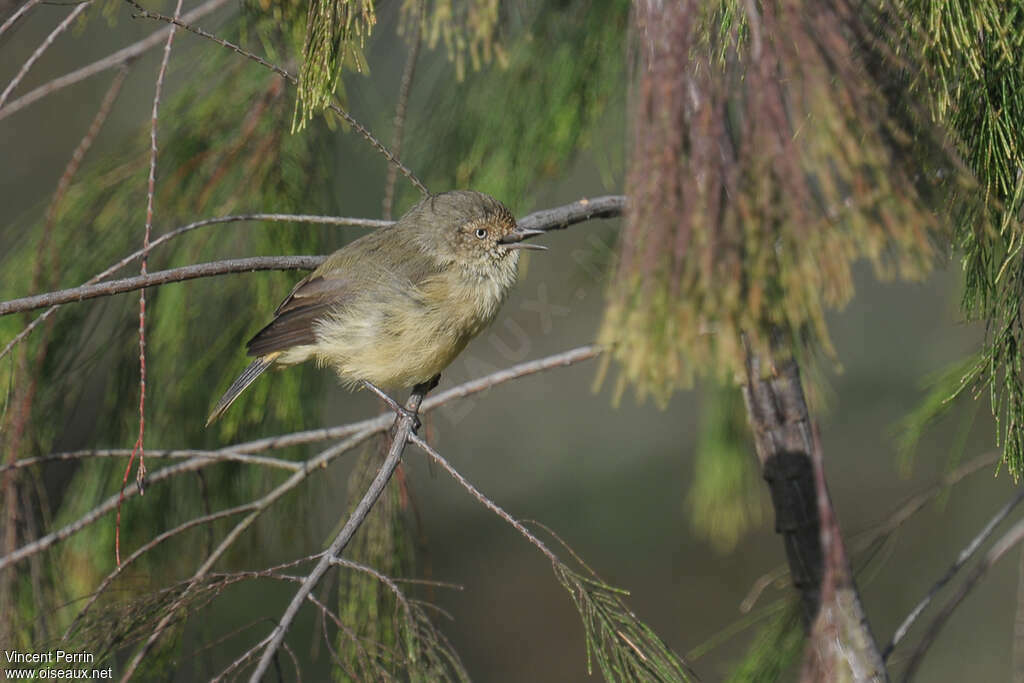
{"type": "Point", "coordinates": [140, 473]}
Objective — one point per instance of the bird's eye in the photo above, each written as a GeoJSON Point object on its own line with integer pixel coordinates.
{"type": "Point", "coordinates": [481, 233]}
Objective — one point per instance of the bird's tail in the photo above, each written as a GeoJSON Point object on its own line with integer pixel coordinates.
{"type": "Point", "coordinates": [247, 377]}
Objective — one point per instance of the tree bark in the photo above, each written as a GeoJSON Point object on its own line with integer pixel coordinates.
{"type": "Point", "coordinates": [841, 646]}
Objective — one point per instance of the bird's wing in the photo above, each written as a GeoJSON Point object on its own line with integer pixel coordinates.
{"type": "Point", "coordinates": [293, 323]}
{"type": "Point", "coordinates": [373, 273]}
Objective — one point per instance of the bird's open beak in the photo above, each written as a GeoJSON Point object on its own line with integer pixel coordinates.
{"type": "Point", "coordinates": [514, 240]}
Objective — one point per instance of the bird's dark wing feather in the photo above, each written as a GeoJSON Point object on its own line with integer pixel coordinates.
{"type": "Point", "coordinates": [293, 323]}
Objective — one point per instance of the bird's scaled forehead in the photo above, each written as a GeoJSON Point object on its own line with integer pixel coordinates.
{"type": "Point", "coordinates": [500, 218]}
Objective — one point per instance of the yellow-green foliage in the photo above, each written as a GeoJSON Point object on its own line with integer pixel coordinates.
{"type": "Point", "coordinates": [468, 28]}
{"type": "Point", "coordinates": [726, 497]}
{"type": "Point", "coordinates": [766, 161]}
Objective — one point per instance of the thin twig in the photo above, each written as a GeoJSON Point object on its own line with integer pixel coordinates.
{"type": "Point", "coordinates": [140, 448]}
{"type": "Point", "coordinates": [547, 219]}
{"type": "Point", "coordinates": [75, 162]}
{"type": "Point", "coordinates": [160, 277]}
{"type": "Point", "coordinates": [914, 504]}
{"type": "Point", "coordinates": [401, 108]}
{"type": "Point", "coordinates": [183, 453]}
{"type": "Point", "coordinates": [1005, 543]}
{"type": "Point", "coordinates": [348, 118]}
{"type": "Point", "coordinates": [21, 11]}
{"type": "Point", "coordinates": [403, 431]}
{"type": "Point", "coordinates": [561, 217]}
{"type": "Point", "coordinates": [487, 502]}
{"type": "Point", "coordinates": [317, 463]}
{"type": "Point", "coordinates": [244, 452]}
{"type": "Point", "coordinates": [44, 542]}
{"type": "Point", "coordinates": [111, 61]}
{"type": "Point", "coordinates": [177, 232]}
{"type": "Point", "coordinates": [242, 659]}
{"type": "Point", "coordinates": [367, 427]}
{"type": "Point", "coordinates": [152, 543]}
{"type": "Point", "coordinates": [865, 539]}
{"type": "Point", "coordinates": [47, 42]}
{"type": "Point", "coordinates": [966, 554]}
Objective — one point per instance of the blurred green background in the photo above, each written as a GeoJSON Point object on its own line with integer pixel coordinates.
{"type": "Point", "coordinates": [613, 482]}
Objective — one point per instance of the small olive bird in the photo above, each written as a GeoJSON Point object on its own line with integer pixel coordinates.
{"type": "Point", "coordinates": [395, 307]}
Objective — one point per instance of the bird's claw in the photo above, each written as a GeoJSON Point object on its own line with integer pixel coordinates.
{"type": "Point", "coordinates": [411, 416]}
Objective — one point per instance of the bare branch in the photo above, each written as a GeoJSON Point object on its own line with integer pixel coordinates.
{"type": "Point", "coordinates": [226, 456]}
{"type": "Point", "coordinates": [243, 452]}
{"type": "Point", "coordinates": [863, 540]}
{"type": "Point", "coordinates": [301, 470]}
{"type": "Point", "coordinates": [1005, 543]}
{"type": "Point", "coordinates": [403, 432]}
{"type": "Point", "coordinates": [487, 502]}
{"type": "Point", "coordinates": [47, 42]}
{"type": "Point", "coordinates": [112, 61]}
{"type": "Point", "coordinates": [561, 217]}
{"type": "Point", "coordinates": [547, 219]}
{"type": "Point", "coordinates": [134, 256]}
{"type": "Point", "coordinates": [160, 277]}
{"type": "Point", "coordinates": [152, 543]}
{"type": "Point", "coordinates": [966, 554]}
{"type": "Point", "coordinates": [93, 515]}
{"type": "Point", "coordinates": [315, 464]}
{"type": "Point", "coordinates": [20, 12]}
{"type": "Point", "coordinates": [638, 653]}
{"type": "Point", "coordinates": [914, 504]}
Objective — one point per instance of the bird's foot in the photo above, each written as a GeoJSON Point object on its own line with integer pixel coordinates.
{"type": "Point", "coordinates": [400, 410]}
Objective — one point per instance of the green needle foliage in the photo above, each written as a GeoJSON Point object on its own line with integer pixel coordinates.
{"type": "Point", "coordinates": [626, 649]}
{"type": "Point", "coordinates": [767, 157]}
{"type": "Point", "coordinates": [336, 31]}
{"type": "Point", "coordinates": [726, 498]}
{"type": "Point", "coordinates": [974, 82]}
{"type": "Point", "coordinates": [775, 650]}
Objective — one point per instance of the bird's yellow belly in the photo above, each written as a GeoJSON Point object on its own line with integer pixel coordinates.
{"type": "Point", "coordinates": [394, 351]}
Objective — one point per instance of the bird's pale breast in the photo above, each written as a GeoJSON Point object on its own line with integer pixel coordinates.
{"type": "Point", "coordinates": [413, 337]}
